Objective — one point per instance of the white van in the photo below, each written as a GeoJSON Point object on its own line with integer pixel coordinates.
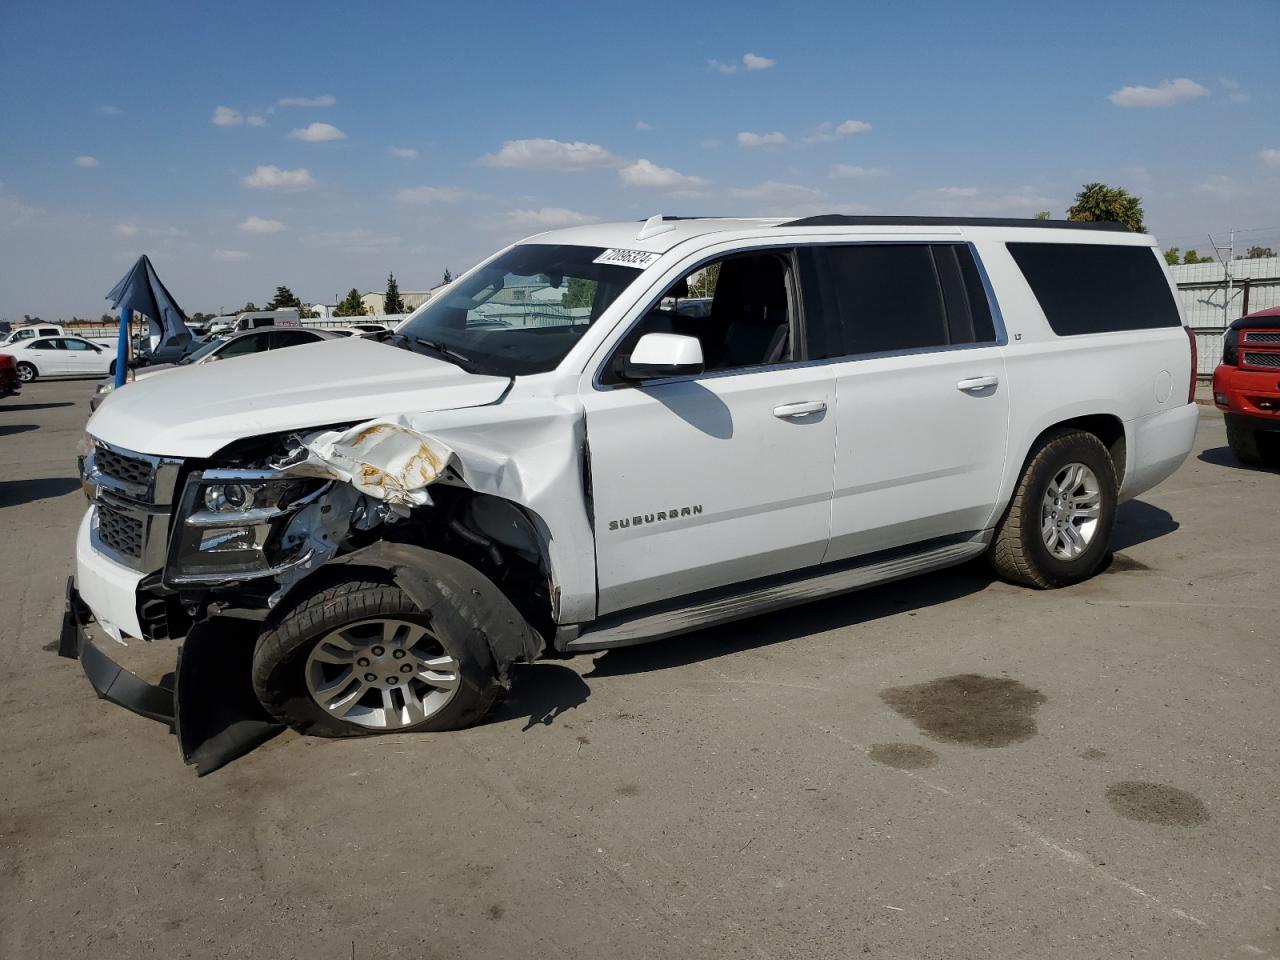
{"type": "Point", "coordinates": [567, 455]}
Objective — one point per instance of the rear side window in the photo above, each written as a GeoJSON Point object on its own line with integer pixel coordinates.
{"type": "Point", "coordinates": [1097, 288]}
{"type": "Point", "coordinates": [891, 297]}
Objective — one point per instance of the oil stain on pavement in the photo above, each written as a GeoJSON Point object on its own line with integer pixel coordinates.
{"type": "Point", "coordinates": [1156, 803]}
{"type": "Point", "coordinates": [904, 756]}
{"type": "Point", "coordinates": [970, 709]}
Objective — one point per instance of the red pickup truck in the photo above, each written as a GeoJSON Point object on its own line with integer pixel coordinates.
{"type": "Point", "coordinates": [9, 383]}
{"type": "Point", "coordinates": [1246, 387]}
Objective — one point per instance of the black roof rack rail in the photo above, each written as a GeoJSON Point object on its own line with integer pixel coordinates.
{"type": "Point", "coordinates": [841, 220]}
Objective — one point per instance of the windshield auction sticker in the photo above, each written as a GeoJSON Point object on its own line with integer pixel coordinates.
{"type": "Point", "coordinates": [627, 258]}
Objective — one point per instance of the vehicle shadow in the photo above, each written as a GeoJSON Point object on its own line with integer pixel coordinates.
{"type": "Point", "coordinates": [15, 492]}
{"type": "Point", "coordinates": [23, 407]}
{"type": "Point", "coordinates": [1223, 457]}
{"type": "Point", "coordinates": [10, 429]}
{"type": "Point", "coordinates": [1137, 522]}
{"type": "Point", "coordinates": [540, 694]}
{"type": "Point", "coordinates": [818, 616]}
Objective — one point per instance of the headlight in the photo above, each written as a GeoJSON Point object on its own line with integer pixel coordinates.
{"type": "Point", "coordinates": [105, 387]}
{"type": "Point", "coordinates": [231, 525]}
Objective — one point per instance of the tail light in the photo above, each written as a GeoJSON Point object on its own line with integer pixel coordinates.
{"type": "Point", "coordinates": [1195, 360]}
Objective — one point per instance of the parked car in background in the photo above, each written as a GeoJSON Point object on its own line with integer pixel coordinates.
{"type": "Point", "coordinates": [18, 334]}
{"type": "Point", "coordinates": [864, 399]}
{"type": "Point", "coordinates": [9, 382]}
{"type": "Point", "coordinates": [61, 357]}
{"type": "Point", "coordinates": [289, 317]}
{"type": "Point", "coordinates": [1246, 387]}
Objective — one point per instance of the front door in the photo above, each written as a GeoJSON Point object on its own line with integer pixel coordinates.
{"type": "Point", "coordinates": [720, 478]}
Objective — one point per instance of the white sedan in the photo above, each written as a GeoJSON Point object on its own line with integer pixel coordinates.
{"type": "Point", "coordinates": [61, 357]}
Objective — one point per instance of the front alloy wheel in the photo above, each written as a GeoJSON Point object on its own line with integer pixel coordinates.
{"type": "Point", "coordinates": [382, 673]}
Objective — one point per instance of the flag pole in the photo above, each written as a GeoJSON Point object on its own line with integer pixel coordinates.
{"type": "Point", "coordinates": [122, 346]}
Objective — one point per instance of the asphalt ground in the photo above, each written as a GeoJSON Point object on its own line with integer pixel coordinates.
{"type": "Point", "coordinates": [948, 766]}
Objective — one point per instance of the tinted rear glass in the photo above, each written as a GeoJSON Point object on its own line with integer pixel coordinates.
{"type": "Point", "coordinates": [889, 296]}
{"type": "Point", "coordinates": [1096, 287]}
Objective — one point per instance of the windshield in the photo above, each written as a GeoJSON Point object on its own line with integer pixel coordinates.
{"type": "Point", "coordinates": [203, 352]}
{"type": "Point", "coordinates": [522, 312]}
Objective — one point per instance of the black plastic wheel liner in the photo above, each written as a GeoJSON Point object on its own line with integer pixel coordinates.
{"type": "Point", "coordinates": [217, 717]}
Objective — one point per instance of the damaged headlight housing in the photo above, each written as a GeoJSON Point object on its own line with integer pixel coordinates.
{"type": "Point", "coordinates": [231, 526]}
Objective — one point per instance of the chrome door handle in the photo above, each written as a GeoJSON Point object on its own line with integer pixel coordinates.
{"type": "Point", "coordinates": [976, 383]}
{"type": "Point", "coordinates": [801, 409]}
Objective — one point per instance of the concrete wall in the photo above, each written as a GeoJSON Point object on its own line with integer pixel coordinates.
{"type": "Point", "coordinates": [1202, 290]}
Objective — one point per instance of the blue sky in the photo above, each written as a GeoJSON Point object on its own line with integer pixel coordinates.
{"type": "Point", "coordinates": [357, 139]}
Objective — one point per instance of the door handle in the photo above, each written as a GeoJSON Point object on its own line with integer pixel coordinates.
{"type": "Point", "coordinates": [976, 383]}
{"type": "Point", "coordinates": [800, 409]}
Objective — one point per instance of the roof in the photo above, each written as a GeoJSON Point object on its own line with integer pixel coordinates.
{"type": "Point", "coordinates": [659, 235]}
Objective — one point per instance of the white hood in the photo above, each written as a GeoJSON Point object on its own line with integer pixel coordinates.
{"type": "Point", "coordinates": [195, 411]}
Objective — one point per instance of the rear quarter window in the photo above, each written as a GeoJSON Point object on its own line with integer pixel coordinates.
{"type": "Point", "coordinates": [1097, 287]}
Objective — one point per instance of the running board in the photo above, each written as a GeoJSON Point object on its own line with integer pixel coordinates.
{"type": "Point", "coordinates": [626, 629]}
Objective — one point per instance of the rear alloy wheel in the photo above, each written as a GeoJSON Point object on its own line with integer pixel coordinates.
{"type": "Point", "coordinates": [26, 373]}
{"type": "Point", "coordinates": [1058, 524]}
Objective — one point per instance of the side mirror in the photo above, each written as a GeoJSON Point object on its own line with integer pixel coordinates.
{"type": "Point", "coordinates": [659, 355]}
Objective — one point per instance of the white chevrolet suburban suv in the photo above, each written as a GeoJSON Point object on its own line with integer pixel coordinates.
{"type": "Point", "coordinates": [617, 433]}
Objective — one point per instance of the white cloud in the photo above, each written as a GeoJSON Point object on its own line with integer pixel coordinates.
{"type": "Point", "coordinates": [433, 195]}
{"type": "Point", "coordinates": [324, 100]}
{"type": "Point", "coordinates": [642, 126]}
{"type": "Point", "coordinates": [828, 131]}
{"type": "Point", "coordinates": [271, 177]}
{"type": "Point", "coordinates": [254, 120]}
{"type": "Point", "coordinates": [771, 191]}
{"type": "Point", "coordinates": [404, 153]}
{"type": "Point", "coordinates": [1222, 186]}
{"type": "Point", "coordinates": [1270, 156]}
{"type": "Point", "coordinates": [541, 153]}
{"type": "Point", "coordinates": [547, 218]}
{"type": "Point", "coordinates": [715, 66]}
{"type": "Point", "coordinates": [352, 240]}
{"type": "Point", "coordinates": [985, 202]}
{"type": "Point", "coordinates": [1164, 94]}
{"type": "Point", "coordinates": [642, 173]}
{"type": "Point", "coordinates": [110, 111]}
{"type": "Point", "coordinates": [13, 212]}
{"type": "Point", "coordinates": [228, 256]}
{"type": "Point", "coordinates": [852, 170]}
{"type": "Point", "coordinates": [748, 139]}
{"type": "Point", "coordinates": [226, 117]}
{"type": "Point", "coordinates": [753, 62]}
{"type": "Point", "coordinates": [258, 225]}
{"type": "Point", "coordinates": [318, 133]}
{"type": "Point", "coordinates": [126, 230]}
{"type": "Point", "coordinates": [85, 161]}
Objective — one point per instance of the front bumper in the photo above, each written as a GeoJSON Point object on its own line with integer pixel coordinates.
{"type": "Point", "coordinates": [1250, 394]}
{"type": "Point", "coordinates": [209, 704]}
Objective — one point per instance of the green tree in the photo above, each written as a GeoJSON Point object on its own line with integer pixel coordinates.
{"type": "Point", "coordinates": [1097, 201]}
{"type": "Point", "coordinates": [350, 305]}
{"type": "Point", "coordinates": [703, 283]}
{"type": "Point", "coordinates": [448, 276]}
{"type": "Point", "coordinates": [248, 308]}
{"type": "Point", "coordinates": [1044, 215]}
{"type": "Point", "coordinates": [1193, 257]}
{"type": "Point", "coordinates": [1172, 257]}
{"type": "Point", "coordinates": [283, 300]}
{"type": "Point", "coordinates": [579, 292]}
{"type": "Point", "coordinates": [1257, 253]}
{"type": "Point", "coordinates": [392, 303]}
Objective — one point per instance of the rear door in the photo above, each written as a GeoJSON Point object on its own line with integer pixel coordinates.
{"type": "Point", "coordinates": [50, 357]}
{"type": "Point", "coordinates": [922, 406]}
{"type": "Point", "coordinates": [720, 478]}
{"type": "Point", "coordinates": [83, 357]}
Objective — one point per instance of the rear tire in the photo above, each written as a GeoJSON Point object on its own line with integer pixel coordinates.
{"type": "Point", "coordinates": [111, 370]}
{"type": "Point", "coordinates": [1021, 551]}
{"type": "Point", "coordinates": [338, 632]}
{"type": "Point", "coordinates": [1243, 441]}
{"type": "Point", "coordinates": [27, 373]}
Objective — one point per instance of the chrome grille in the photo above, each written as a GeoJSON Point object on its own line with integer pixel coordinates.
{"type": "Point", "coordinates": [120, 531]}
{"type": "Point", "coordinates": [1262, 336]}
{"type": "Point", "coordinates": [1256, 359]}
{"type": "Point", "coordinates": [132, 470]}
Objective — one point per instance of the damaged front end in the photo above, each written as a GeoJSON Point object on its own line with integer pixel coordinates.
{"type": "Point", "coordinates": [248, 527]}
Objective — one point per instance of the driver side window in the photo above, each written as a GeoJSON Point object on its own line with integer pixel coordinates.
{"type": "Point", "coordinates": [739, 309]}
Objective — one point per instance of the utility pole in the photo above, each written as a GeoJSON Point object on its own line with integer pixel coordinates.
{"type": "Point", "coordinates": [1226, 266]}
